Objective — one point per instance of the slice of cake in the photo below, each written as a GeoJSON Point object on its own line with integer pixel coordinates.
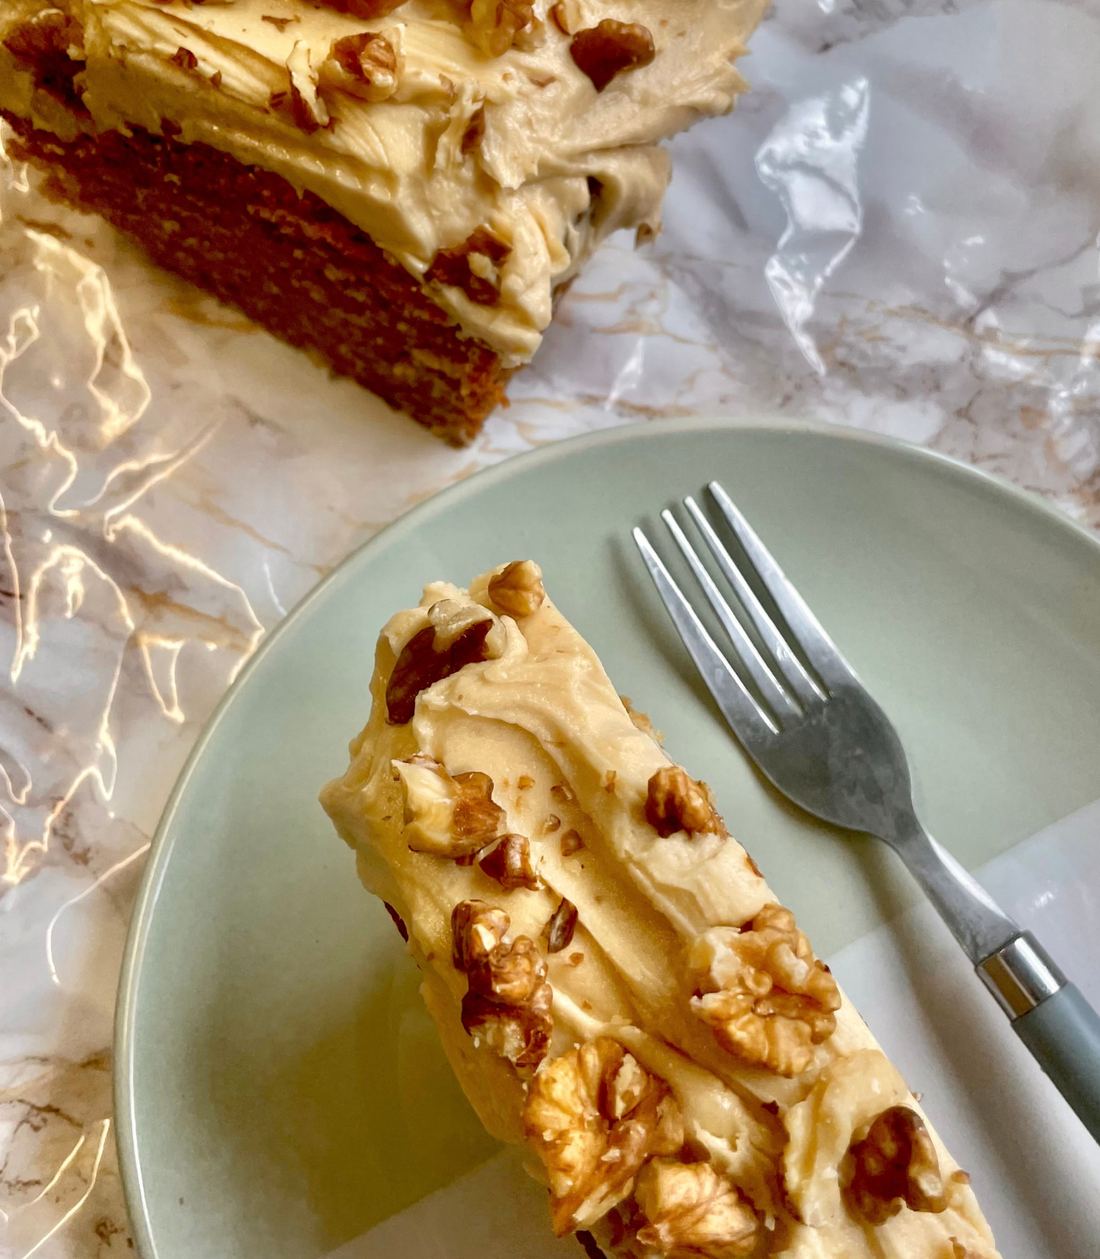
{"type": "Point", "coordinates": [613, 980]}
{"type": "Point", "coordinates": [403, 187]}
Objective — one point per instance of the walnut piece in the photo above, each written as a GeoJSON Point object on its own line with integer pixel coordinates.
{"type": "Point", "coordinates": [472, 266]}
{"type": "Point", "coordinates": [495, 24]}
{"type": "Point", "coordinates": [518, 589]}
{"type": "Point", "coordinates": [507, 1004]}
{"type": "Point", "coordinates": [762, 991]}
{"type": "Point", "coordinates": [603, 51]}
{"type": "Point", "coordinates": [561, 927]}
{"type": "Point", "coordinates": [693, 1212]}
{"type": "Point", "coordinates": [365, 65]}
{"type": "Point", "coordinates": [509, 862]}
{"type": "Point", "coordinates": [594, 1116]}
{"type": "Point", "coordinates": [641, 720]}
{"type": "Point", "coordinates": [476, 930]}
{"type": "Point", "coordinates": [571, 842]}
{"type": "Point", "coordinates": [895, 1165]}
{"type": "Point", "coordinates": [676, 802]}
{"type": "Point", "coordinates": [456, 636]}
{"type": "Point", "coordinates": [50, 45]}
{"type": "Point", "coordinates": [450, 817]}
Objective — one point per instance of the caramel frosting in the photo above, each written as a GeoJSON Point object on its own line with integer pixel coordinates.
{"type": "Point", "coordinates": [463, 116]}
{"type": "Point", "coordinates": [631, 915]}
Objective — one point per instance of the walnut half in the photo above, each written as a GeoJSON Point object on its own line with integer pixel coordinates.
{"type": "Point", "coordinates": [449, 816]}
{"type": "Point", "coordinates": [693, 1210]}
{"type": "Point", "coordinates": [676, 802]}
{"type": "Point", "coordinates": [456, 635]}
{"type": "Point", "coordinates": [594, 1116]}
{"type": "Point", "coordinates": [767, 998]}
{"type": "Point", "coordinates": [517, 589]}
{"type": "Point", "coordinates": [365, 65]}
{"type": "Point", "coordinates": [893, 1166]}
{"type": "Point", "coordinates": [507, 1003]}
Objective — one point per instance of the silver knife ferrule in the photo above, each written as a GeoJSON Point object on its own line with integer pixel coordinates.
{"type": "Point", "coordinates": [1021, 975]}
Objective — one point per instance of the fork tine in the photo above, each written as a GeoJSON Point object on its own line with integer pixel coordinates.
{"type": "Point", "coordinates": [820, 649]}
{"type": "Point", "coordinates": [790, 665]}
{"type": "Point", "coordinates": [774, 695]}
{"type": "Point", "coordinates": [748, 721]}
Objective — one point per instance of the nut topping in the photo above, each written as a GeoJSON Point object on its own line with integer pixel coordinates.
{"type": "Point", "coordinates": [594, 1116]}
{"type": "Point", "coordinates": [472, 266]}
{"type": "Point", "coordinates": [509, 862]}
{"type": "Point", "coordinates": [571, 842]}
{"type": "Point", "coordinates": [603, 51]}
{"type": "Point", "coordinates": [894, 1165]}
{"type": "Point", "coordinates": [367, 9]}
{"type": "Point", "coordinates": [51, 45]}
{"type": "Point", "coordinates": [676, 802]}
{"type": "Point", "coordinates": [692, 1210]}
{"type": "Point", "coordinates": [561, 927]}
{"type": "Point", "coordinates": [762, 991]}
{"type": "Point", "coordinates": [508, 1001]}
{"type": "Point", "coordinates": [495, 24]}
{"type": "Point", "coordinates": [450, 817]}
{"type": "Point", "coordinates": [518, 589]}
{"type": "Point", "coordinates": [476, 930]}
{"type": "Point", "coordinates": [364, 65]}
{"type": "Point", "coordinates": [457, 636]}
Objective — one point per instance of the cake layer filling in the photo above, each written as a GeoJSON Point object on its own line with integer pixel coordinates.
{"type": "Point", "coordinates": [486, 146]}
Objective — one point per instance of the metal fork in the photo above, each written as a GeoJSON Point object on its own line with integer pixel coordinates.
{"type": "Point", "coordinates": [825, 744]}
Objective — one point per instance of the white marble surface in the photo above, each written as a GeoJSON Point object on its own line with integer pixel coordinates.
{"type": "Point", "coordinates": [896, 230]}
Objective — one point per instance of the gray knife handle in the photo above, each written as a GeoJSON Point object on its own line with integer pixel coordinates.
{"type": "Point", "coordinates": [1063, 1034]}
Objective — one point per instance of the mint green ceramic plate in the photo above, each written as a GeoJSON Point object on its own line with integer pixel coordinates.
{"type": "Point", "coordinates": [279, 1088]}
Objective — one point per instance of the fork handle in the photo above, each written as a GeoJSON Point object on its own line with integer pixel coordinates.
{"type": "Point", "coordinates": [1053, 1019]}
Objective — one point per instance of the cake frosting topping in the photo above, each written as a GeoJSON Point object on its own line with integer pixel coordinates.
{"type": "Point", "coordinates": [487, 145]}
{"type": "Point", "coordinates": [613, 980]}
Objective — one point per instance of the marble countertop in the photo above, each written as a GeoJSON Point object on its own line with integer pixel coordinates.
{"type": "Point", "coordinates": [896, 230]}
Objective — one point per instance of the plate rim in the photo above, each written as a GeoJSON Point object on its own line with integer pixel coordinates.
{"type": "Point", "coordinates": [162, 843]}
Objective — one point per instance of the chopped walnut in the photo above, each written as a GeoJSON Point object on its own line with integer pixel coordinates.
{"type": "Point", "coordinates": [364, 65]}
{"type": "Point", "coordinates": [184, 58]}
{"type": "Point", "coordinates": [50, 44]}
{"type": "Point", "coordinates": [895, 1165]}
{"type": "Point", "coordinates": [525, 782]}
{"type": "Point", "coordinates": [495, 24]}
{"type": "Point", "coordinates": [601, 52]}
{"type": "Point", "coordinates": [762, 991]}
{"type": "Point", "coordinates": [449, 816]}
{"type": "Point", "coordinates": [472, 266]}
{"type": "Point", "coordinates": [509, 862]}
{"type": "Point", "coordinates": [306, 108]}
{"type": "Point", "coordinates": [561, 927]}
{"type": "Point", "coordinates": [571, 842]}
{"type": "Point", "coordinates": [457, 636]}
{"type": "Point", "coordinates": [692, 1210]}
{"type": "Point", "coordinates": [518, 589]}
{"type": "Point", "coordinates": [398, 921]}
{"type": "Point", "coordinates": [507, 1004]}
{"type": "Point", "coordinates": [552, 823]}
{"type": "Point", "coordinates": [641, 720]}
{"type": "Point", "coordinates": [594, 1116]}
{"type": "Point", "coordinates": [676, 802]}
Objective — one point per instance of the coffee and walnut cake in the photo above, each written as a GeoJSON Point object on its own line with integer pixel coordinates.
{"type": "Point", "coordinates": [614, 983]}
{"type": "Point", "coordinates": [403, 186]}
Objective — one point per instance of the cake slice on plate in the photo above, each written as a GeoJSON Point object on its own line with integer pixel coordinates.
{"type": "Point", "coordinates": [403, 187]}
{"type": "Point", "coordinates": [613, 980]}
